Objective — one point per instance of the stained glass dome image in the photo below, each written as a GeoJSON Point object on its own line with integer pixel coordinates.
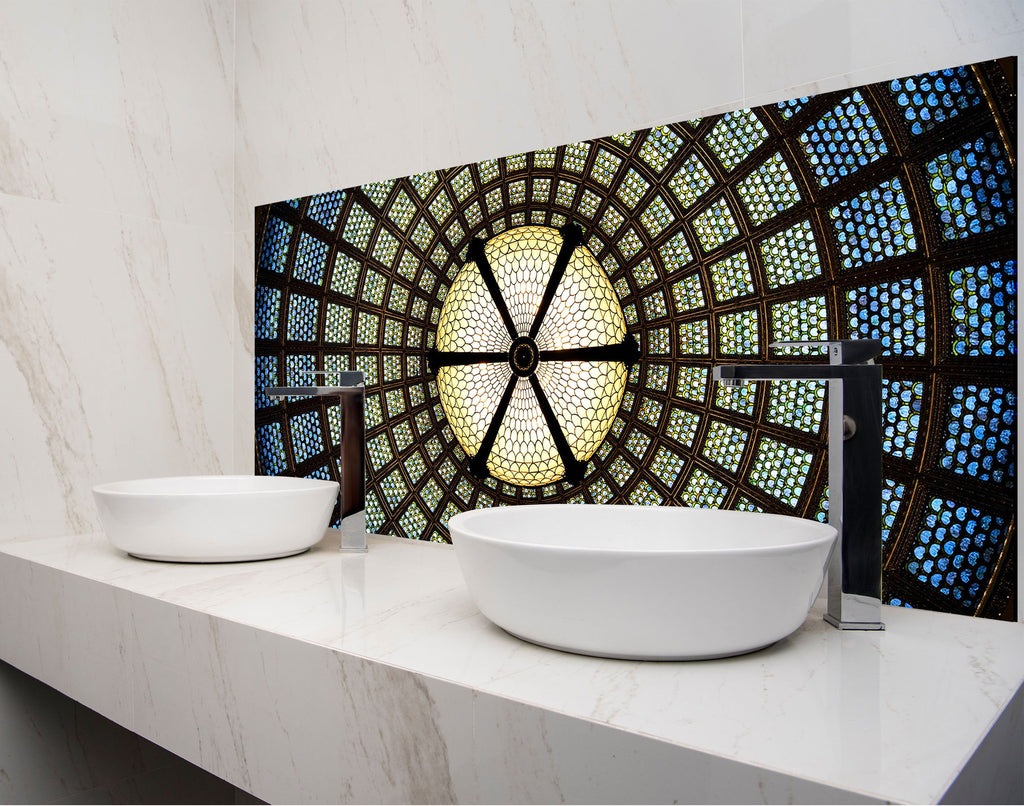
{"type": "Point", "coordinates": [531, 356]}
{"type": "Point", "coordinates": [887, 212]}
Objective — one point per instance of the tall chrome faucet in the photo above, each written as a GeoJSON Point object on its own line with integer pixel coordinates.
{"type": "Point", "coordinates": [854, 469]}
{"type": "Point", "coordinates": [350, 388]}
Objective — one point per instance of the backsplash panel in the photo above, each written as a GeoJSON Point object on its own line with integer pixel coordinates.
{"type": "Point", "coordinates": [885, 211]}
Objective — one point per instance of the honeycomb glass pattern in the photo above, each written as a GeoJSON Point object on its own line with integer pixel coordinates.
{"type": "Point", "coordinates": [583, 396]}
{"type": "Point", "coordinates": [869, 212]}
{"type": "Point", "coordinates": [983, 307]}
{"type": "Point", "coordinates": [981, 437]}
{"type": "Point", "coordinates": [843, 140]}
{"type": "Point", "coordinates": [972, 187]}
{"type": "Point", "coordinates": [956, 547]}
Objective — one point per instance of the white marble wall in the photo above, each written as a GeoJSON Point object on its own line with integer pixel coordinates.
{"type": "Point", "coordinates": [116, 307]}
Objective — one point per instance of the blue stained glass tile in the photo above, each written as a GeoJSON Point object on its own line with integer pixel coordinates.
{"type": "Point", "coordinates": [789, 108]}
{"type": "Point", "coordinates": [983, 309]}
{"type": "Point", "coordinates": [972, 188]}
{"type": "Point", "coordinates": [981, 437]}
{"type": "Point", "coordinates": [843, 140]}
{"type": "Point", "coordinates": [325, 208]}
{"type": "Point", "coordinates": [266, 375]}
{"type": "Point", "coordinates": [892, 497]}
{"type": "Point", "coordinates": [268, 312]}
{"type": "Point", "coordinates": [303, 315]}
{"type": "Point", "coordinates": [270, 449]}
{"type": "Point", "coordinates": [933, 98]}
{"type": "Point", "coordinates": [307, 438]}
{"type": "Point", "coordinates": [310, 260]}
{"type": "Point", "coordinates": [892, 313]}
{"type": "Point", "coordinates": [874, 226]}
{"type": "Point", "coordinates": [956, 550]}
{"type": "Point", "coordinates": [901, 417]}
{"type": "Point", "coordinates": [274, 249]}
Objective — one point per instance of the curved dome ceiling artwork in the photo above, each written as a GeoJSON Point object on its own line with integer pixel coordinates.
{"type": "Point", "coordinates": [541, 327]}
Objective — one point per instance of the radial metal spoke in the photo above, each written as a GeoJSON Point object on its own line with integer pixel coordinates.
{"type": "Point", "coordinates": [574, 468]}
{"type": "Point", "coordinates": [442, 358]}
{"type": "Point", "coordinates": [477, 254]}
{"type": "Point", "coordinates": [627, 351]}
{"type": "Point", "coordinates": [478, 464]}
{"type": "Point", "coordinates": [572, 236]}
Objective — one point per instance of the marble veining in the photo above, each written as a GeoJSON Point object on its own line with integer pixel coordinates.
{"type": "Point", "coordinates": [373, 678]}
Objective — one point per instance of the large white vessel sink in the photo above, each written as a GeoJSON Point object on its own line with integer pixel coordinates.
{"type": "Point", "coordinates": [209, 519]}
{"type": "Point", "coordinates": [639, 582]}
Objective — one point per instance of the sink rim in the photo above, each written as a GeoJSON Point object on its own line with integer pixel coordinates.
{"type": "Point", "coordinates": [272, 485]}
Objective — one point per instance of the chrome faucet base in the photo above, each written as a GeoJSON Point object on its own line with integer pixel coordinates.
{"type": "Point", "coordinates": [853, 625]}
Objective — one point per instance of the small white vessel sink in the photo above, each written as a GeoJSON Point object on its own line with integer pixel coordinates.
{"type": "Point", "coordinates": [640, 582]}
{"type": "Point", "coordinates": [211, 519]}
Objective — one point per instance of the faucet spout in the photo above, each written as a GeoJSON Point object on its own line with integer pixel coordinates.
{"type": "Point", "coordinates": [350, 389]}
{"type": "Point", "coordinates": [855, 470]}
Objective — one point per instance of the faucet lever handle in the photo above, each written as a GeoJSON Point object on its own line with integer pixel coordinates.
{"type": "Point", "coordinates": [344, 377]}
{"type": "Point", "coordinates": [842, 351]}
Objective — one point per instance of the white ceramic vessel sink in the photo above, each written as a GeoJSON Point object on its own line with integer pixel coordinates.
{"type": "Point", "coordinates": [209, 519]}
{"type": "Point", "coordinates": [646, 583]}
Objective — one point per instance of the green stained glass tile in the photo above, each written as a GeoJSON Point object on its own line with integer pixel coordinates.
{"type": "Point", "coordinates": [358, 227]}
{"type": "Point", "coordinates": [682, 426]}
{"type": "Point", "coordinates": [398, 299]}
{"type": "Point", "coordinates": [611, 220]}
{"type": "Point", "coordinates": [630, 243]}
{"type": "Point", "coordinates": [656, 216]}
{"type": "Point", "coordinates": [408, 265]}
{"type": "Point", "coordinates": [402, 210]}
{"type": "Point", "coordinates": [441, 207]}
{"type": "Point", "coordinates": [693, 338]}
{"type": "Point", "coordinates": [723, 445]}
{"type": "Point", "coordinates": [715, 225]}
{"type": "Point", "coordinates": [800, 320]}
{"type": "Point", "coordinates": [735, 136]}
{"type": "Point", "coordinates": [588, 204]}
{"type": "Point", "coordinates": [413, 521]}
{"type": "Point", "coordinates": [797, 404]}
{"type": "Point", "coordinates": [518, 219]}
{"type": "Point", "coordinates": [744, 504]}
{"type": "Point", "coordinates": [424, 183]}
{"type": "Point", "coordinates": [393, 489]}
{"type": "Point", "coordinates": [843, 140]}
{"type": "Point", "coordinates": [414, 336]}
{"type": "Point", "coordinates": [656, 378]}
{"type": "Point", "coordinates": [692, 383]}
{"type": "Point", "coordinates": [488, 170]}
{"type": "Point", "coordinates": [738, 333]}
{"type": "Point", "coordinates": [768, 190]}
{"type": "Point", "coordinates": [473, 214]}
{"type": "Point", "coordinates": [394, 401]}
{"type": "Point", "coordinates": [688, 293]}
{"type": "Point", "coordinates": [402, 435]}
{"type": "Point", "coordinates": [643, 494]}
{"type": "Point", "coordinates": [660, 147]}
{"type": "Point", "coordinates": [650, 411]}
{"type": "Point", "coordinates": [369, 366]}
{"type": "Point", "coordinates": [605, 166]}
{"type": "Point", "coordinates": [790, 256]}
{"type": "Point", "coordinates": [874, 225]}
{"type": "Point", "coordinates": [517, 192]}
{"type": "Point", "coordinates": [644, 273]}
{"type": "Point", "coordinates": [575, 157]}
{"type": "Point", "coordinates": [423, 234]}
{"type": "Point", "coordinates": [541, 190]}
{"type": "Point", "coordinates": [374, 287]}
{"type": "Point", "coordinates": [392, 368]}
{"type": "Point", "coordinates": [600, 492]}
{"type": "Point", "coordinates": [691, 181]}
{"type": "Point", "coordinates": [418, 309]}
{"type": "Point", "coordinates": [780, 470]}
{"type": "Point", "coordinates": [629, 311]}
{"type": "Point", "coordinates": [366, 332]}
{"type": "Point", "coordinates": [731, 277]}
{"type": "Point", "coordinates": [378, 192]}
{"type": "Point", "coordinates": [464, 490]}
{"type": "Point", "coordinates": [739, 399]}
{"type": "Point", "coordinates": [345, 277]}
{"type": "Point", "coordinates": [654, 305]}
{"type": "Point", "coordinates": [558, 220]}
{"type": "Point", "coordinates": [517, 162]}
{"type": "Point", "coordinates": [704, 491]}
{"type": "Point", "coordinates": [566, 193]}
{"type": "Point", "coordinates": [538, 217]}
{"type": "Point", "coordinates": [544, 158]}
{"type": "Point", "coordinates": [675, 253]}
{"type": "Point", "coordinates": [624, 139]}
{"type": "Point", "coordinates": [374, 415]}
{"type": "Point", "coordinates": [385, 248]}
{"type": "Point", "coordinates": [637, 444]}
{"type": "Point", "coordinates": [622, 287]}
{"type": "Point", "coordinates": [392, 332]}
{"type": "Point", "coordinates": [439, 257]}
{"type": "Point", "coordinates": [494, 202]}
{"type": "Point", "coordinates": [621, 470]}
{"type": "Point", "coordinates": [431, 495]}
{"type": "Point", "coordinates": [658, 341]}
{"type": "Point", "coordinates": [632, 188]}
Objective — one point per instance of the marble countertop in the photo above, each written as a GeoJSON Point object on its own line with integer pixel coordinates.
{"type": "Point", "coordinates": [232, 665]}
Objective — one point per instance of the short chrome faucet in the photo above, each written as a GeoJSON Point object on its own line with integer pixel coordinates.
{"type": "Point", "coordinates": [350, 388]}
{"type": "Point", "coordinates": [854, 469]}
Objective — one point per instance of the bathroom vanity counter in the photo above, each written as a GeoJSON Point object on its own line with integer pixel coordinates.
{"type": "Point", "coordinates": [373, 678]}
